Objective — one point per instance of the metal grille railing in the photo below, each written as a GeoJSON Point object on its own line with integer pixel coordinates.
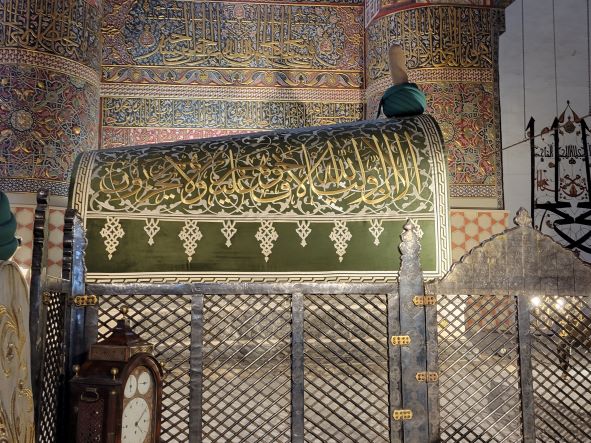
{"type": "Point", "coordinates": [479, 369]}
{"type": "Point", "coordinates": [53, 368]}
{"type": "Point", "coordinates": [561, 366]}
{"type": "Point", "coordinates": [246, 368]}
{"type": "Point", "coordinates": [345, 369]}
{"type": "Point", "coordinates": [165, 321]}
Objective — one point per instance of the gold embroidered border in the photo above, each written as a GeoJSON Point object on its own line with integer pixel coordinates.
{"type": "Point", "coordinates": [435, 75]}
{"type": "Point", "coordinates": [231, 93]}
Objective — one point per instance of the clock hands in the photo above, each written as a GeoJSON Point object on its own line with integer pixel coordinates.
{"type": "Point", "coordinates": [140, 419]}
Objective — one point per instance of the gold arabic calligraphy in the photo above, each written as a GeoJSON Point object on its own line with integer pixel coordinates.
{"type": "Point", "coordinates": [372, 172]}
{"type": "Point", "coordinates": [435, 37]}
{"type": "Point", "coordinates": [239, 35]}
{"type": "Point", "coordinates": [65, 27]}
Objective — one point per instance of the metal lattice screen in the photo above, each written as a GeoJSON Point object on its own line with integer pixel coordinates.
{"type": "Point", "coordinates": [479, 369]}
{"type": "Point", "coordinates": [165, 321]}
{"type": "Point", "coordinates": [246, 368]}
{"type": "Point", "coordinates": [561, 366]}
{"type": "Point", "coordinates": [53, 366]}
{"type": "Point", "coordinates": [247, 358]}
{"type": "Point", "coordinates": [346, 369]}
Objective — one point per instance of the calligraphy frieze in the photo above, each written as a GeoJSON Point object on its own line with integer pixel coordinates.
{"type": "Point", "coordinates": [435, 37]}
{"type": "Point", "coordinates": [69, 28]}
{"type": "Point", "coordinates": [193, 113]}
{"type": "Point", "coordinates": [228, 35]}
{"type": "Point", "coordinates": [118, 137]}
{"type": "Point", "coordinates": [368, 169]}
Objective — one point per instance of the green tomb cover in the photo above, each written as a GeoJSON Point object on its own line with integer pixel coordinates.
{"type": "Point", "coordinates": [312, 204]}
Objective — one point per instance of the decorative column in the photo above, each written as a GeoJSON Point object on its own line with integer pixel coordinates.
{"type": "Point", "coordinates": [452, 54]}
{"type": "Point", "coordinates": [49, 100]}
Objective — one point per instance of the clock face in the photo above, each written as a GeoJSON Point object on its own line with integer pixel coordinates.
{"type": "Point", "coordinates": [138, 407]}
{"type": "Point", "coordinates": [136, 421]}
{"type": "Point", "coordinates": [130, 386]}
{"type": "Point", "coordinates": [144, 382]}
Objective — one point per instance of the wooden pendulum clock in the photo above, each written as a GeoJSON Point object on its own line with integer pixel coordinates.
{"type": "Point", "coordinates": [116, 395]}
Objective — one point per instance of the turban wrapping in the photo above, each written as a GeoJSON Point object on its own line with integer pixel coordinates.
{"type": "Point", "coordinates": [403, 100]}
{"type": "Point", "coordinates": [8, 242]}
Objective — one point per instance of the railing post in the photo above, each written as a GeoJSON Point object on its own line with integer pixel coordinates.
{"type": "Point", "coordinates": [37, 310]}
{"type": "Point", "coordinates": [196, 370]}
{"type": "Point", "coordinates": [394, 388]}
{"type": "Point", "coordinates": [80, 333]}
{"type": "Point", "coordinates": [526, 373]}
{"type": "Point", "coordinates": [433, 368]}
{"type": "Point", "coordinates": [414, 376]}
{"type": "Point", "coordinates": [80, 328]}
{"type": "Point", "coordinates": [297, 368]}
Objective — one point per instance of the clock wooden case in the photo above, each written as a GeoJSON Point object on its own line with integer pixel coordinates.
{"type": "Point", "coordinates": [116, 395]}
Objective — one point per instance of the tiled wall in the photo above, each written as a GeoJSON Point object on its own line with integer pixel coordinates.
{"type": "Point", "coordinates": [25, 217]}
{"type": "Point", "coordinates": [49, 90]}
{"type": "Point", "coordinates": [471, 227]}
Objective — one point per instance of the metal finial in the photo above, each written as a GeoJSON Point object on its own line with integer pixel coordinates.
{"type": "Point", "coordinates": [124, 309]}
{"type": "Point", "coordinates": [523, 218]}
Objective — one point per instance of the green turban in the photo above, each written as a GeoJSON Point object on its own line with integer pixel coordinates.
{"type": "Point", "coordinates": [403, 100]}
{"type": "Point", "coordinates": [8, 242]}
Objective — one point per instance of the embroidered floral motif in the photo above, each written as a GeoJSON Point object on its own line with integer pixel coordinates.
{"type": "Point", "coordinates": [266, 235]}
{"type": "Point", "coordinates": [151, 229]}
{"type": "Point", "coordinates": [303, 231]}
{"type": "Point", "coordinates": [340, 236]}
{"type": "Point", "coordinates": [376, 230]}
{"type": "Point", "coordinates": [190, 235]}
{"type": "Point", "coordinates": [112, 233]}
{"type": "Point", "coordinates": [229, 229]}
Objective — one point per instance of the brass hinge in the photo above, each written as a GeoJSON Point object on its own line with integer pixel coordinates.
{"type": "Point", "coordinates": [46, 298]}
{"type": "Point", "coordinates": [85, 300]}
{"type": "Point", "coordinates": [424, 300]}
{"type": "Point", "coordinates": [400, 340]}
{"type": "Point", "coordinates": [427, 377]}
{"type": "Point", "coordinates": [402, 414]}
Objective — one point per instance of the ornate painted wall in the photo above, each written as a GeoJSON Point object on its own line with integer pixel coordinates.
{"type": "Point", "coordinates": [177, 70]}
{"type": "Point", "coordinates": [452, 52]}
{"type": "Point", "coordinates": [49, 104]}
{"type": "Point", "coordinates": [172, 70]}
{"type": "Point", "coordinates": [49, 90]}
